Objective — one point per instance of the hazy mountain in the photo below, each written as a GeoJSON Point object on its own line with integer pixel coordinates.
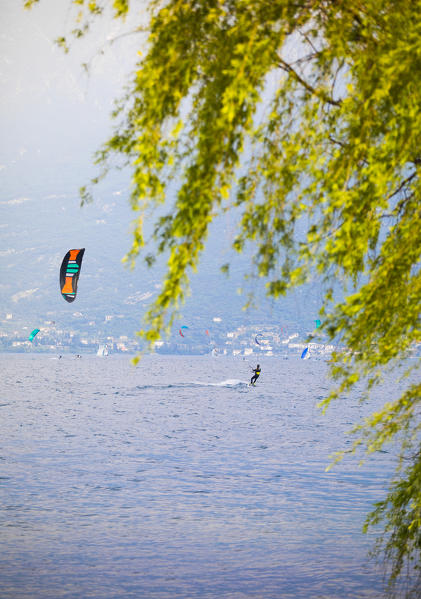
{"type": "Point", "coordinates": [52, 120]}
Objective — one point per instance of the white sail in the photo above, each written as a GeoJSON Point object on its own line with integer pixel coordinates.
{"type": "Point", "coordinates": [102, 351]}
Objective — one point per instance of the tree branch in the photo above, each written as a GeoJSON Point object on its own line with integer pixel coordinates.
{"type": "Point", "coordinates": [402, 185]}
{"type": "Point", "coordinates": [288, 69]}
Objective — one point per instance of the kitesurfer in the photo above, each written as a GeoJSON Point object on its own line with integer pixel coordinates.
{"type": "Point", "coordinates": [255, 375]}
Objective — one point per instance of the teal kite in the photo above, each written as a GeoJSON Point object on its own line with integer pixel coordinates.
{"type": "Point", "coordinates": [33, 334]}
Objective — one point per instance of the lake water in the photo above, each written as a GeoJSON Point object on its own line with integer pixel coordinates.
{"type": "Point", "coordinates": [175, 479]}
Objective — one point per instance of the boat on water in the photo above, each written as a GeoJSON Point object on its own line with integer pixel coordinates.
{"type": "Point", "coordinates": [102, 351]}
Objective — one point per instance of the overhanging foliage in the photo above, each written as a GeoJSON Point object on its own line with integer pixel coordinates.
{"type": "Point", "coordinates": [292, 112]}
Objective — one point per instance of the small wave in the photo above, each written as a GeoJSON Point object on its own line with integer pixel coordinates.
{"type": "Point", "coordinates": [168, 386]}
{"type": "Point", "coordinates": [226, 383]}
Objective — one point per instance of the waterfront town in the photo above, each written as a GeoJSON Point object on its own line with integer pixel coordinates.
{"type": "Point", "coordinates": [219, 339]}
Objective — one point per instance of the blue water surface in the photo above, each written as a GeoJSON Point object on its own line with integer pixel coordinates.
{"type": "Point", "coordinates": [176, 479]}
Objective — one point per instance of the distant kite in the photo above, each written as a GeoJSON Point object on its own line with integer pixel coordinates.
{"type": "Point", "coordinates": [183, 328]}
{"type": "Point", "coordinates": [69, 273]}
{"type": "Point", "coordinates": [256, 338]}
{"type": "Point", "coordinates": [33, 334]}
{"type": "Point", "coordinates": [303, 355]}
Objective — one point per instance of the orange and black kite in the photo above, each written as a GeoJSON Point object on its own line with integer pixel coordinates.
{"type": "Point", "coordinates": [69, 273]}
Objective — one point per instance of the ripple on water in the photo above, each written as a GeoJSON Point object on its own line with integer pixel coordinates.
{"type": "Point", "coordinates": [134, 483]}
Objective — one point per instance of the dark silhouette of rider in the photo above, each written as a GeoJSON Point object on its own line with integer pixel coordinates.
{"type": "Point", "coordinates": [255, 375]}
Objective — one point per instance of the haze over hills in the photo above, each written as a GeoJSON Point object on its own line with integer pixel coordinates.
{"type": "Point", "coordinates": [39, 228]}
{"type": "Point", "coordinates": [52, 120]}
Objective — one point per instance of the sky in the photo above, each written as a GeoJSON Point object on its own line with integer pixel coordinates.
{"type": "Point", "coordinates": [46, 97]}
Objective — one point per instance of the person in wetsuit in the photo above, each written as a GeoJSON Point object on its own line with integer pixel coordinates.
{"type": "Point", "coordinates": [255, 375]}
